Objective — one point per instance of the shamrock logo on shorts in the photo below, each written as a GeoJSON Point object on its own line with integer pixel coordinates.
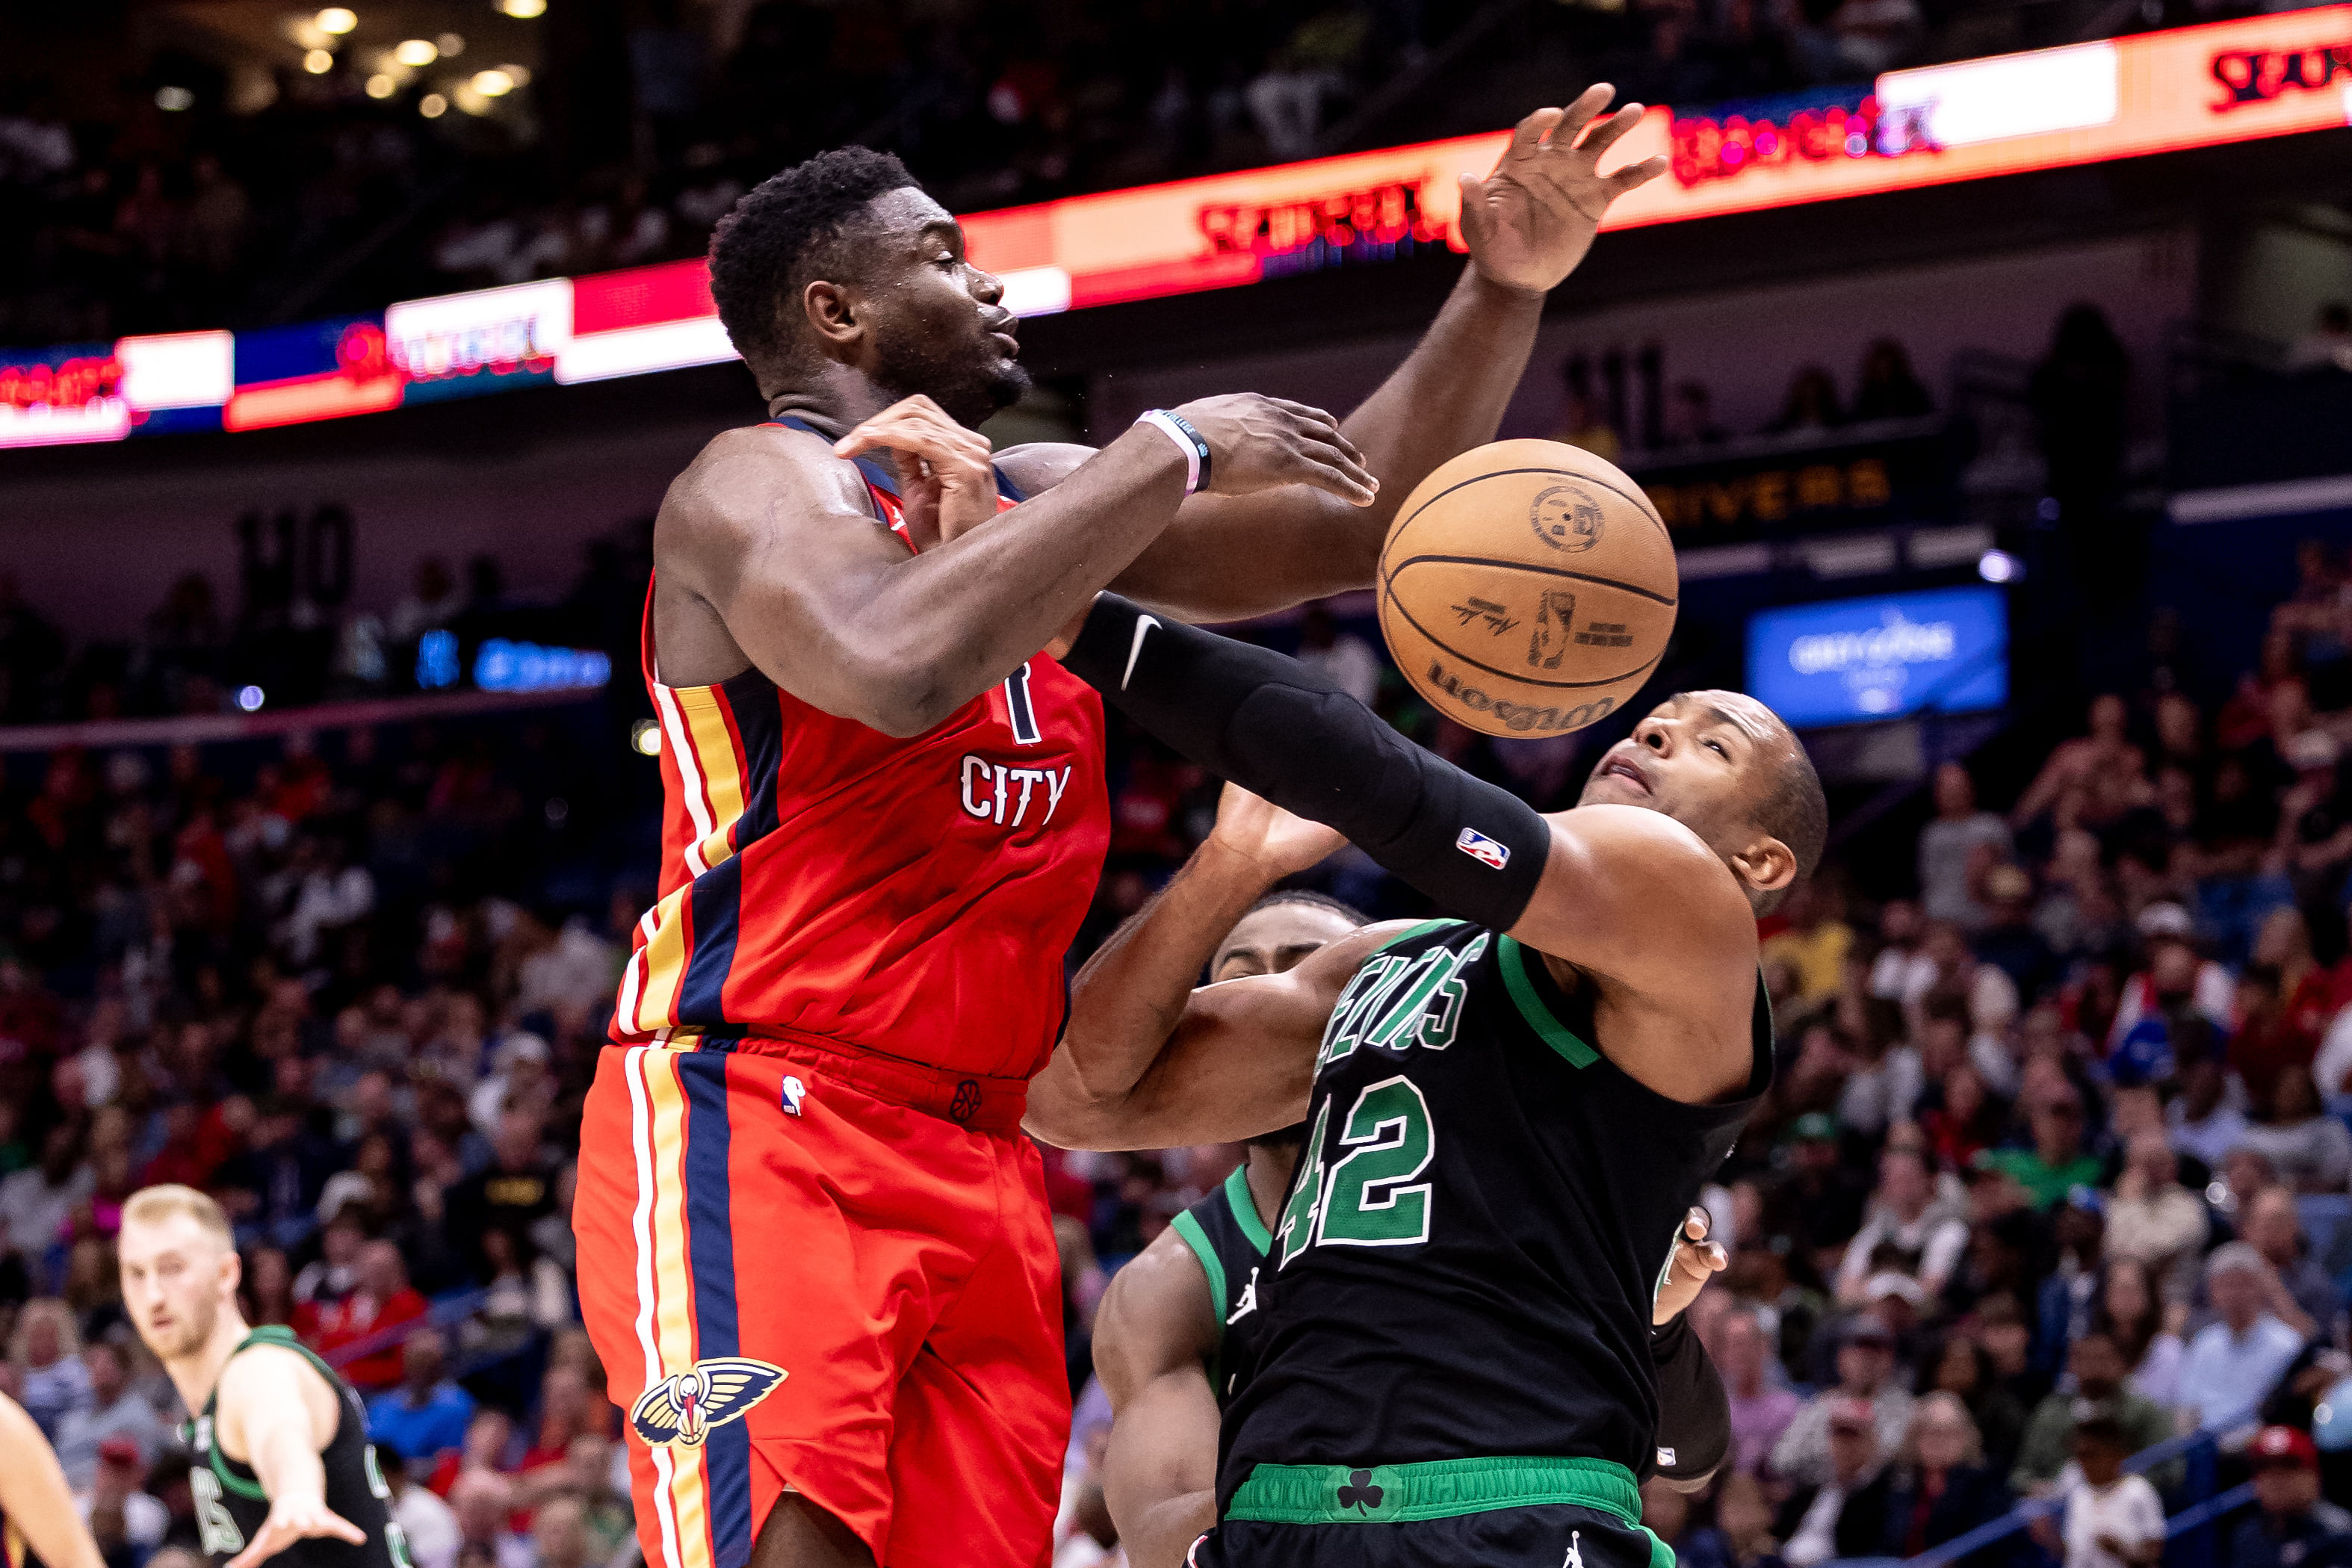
{"type": "Point", "coordinates": [1360, 1492]}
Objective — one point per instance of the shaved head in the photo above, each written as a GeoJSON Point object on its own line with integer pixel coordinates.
{"type": "Point", "coordinates": [1728, 768]}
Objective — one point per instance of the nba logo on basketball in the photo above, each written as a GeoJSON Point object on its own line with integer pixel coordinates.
{"type": "Point", "coordinates": [1483, 850]}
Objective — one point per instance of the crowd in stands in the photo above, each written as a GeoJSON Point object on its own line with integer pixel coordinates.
{"type": "Point", "coordinates": [2054, 1165]}
{"type": "Point", "coordinates": [238, 198]}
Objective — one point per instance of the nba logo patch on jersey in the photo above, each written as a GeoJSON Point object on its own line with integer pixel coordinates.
{"type": "Point", "coordinates": [794, 1092]}
{"type": "Point", "coordinates": [1486, 852]}
{"type": "Point", "coordinates": [681, 1409]}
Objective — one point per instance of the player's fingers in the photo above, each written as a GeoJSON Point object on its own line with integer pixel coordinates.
{"type": "Point", "coordinates": [342, 1528]}
{"type": "Point", "coordinates": [1634, 176]}
{"type": "Point", "coordinates": [1602, 136]}
{"type": "Point", "coordinates": [1578, 115]}
{"type": "Point", "coordinates": [1528, 134]}
{"type": "Point", "coordinates": [1350, 483]}
{"type": "Point", "coordinates": [1696, 1222]}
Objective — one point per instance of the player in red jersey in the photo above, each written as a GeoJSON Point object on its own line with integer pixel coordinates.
{"type": "Point", "coordinates": [814, 1252]}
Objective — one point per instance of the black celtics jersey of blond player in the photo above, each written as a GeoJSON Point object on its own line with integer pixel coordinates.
{"type": "Point", "coordinates": [1225, 1232]}
{"type": "Point", "coordinates": [231, 1505]}
{"type": "Point", "coordinates": [1461, 1279]}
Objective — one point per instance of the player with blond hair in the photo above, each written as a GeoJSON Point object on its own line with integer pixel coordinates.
{"type": "Point", "coordinates": [283, 1467]}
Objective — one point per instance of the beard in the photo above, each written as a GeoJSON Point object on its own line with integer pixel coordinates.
{"type": "Point", "coordinates": [188, 1332]}
{"type": "Point", "coordinates": [971, 382]}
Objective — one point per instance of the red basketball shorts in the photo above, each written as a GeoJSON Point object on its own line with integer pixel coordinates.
{"type": "Point", "coordinates": [827, 1273]}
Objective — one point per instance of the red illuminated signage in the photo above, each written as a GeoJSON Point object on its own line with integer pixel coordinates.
{"type": "Point", "coordinates": [75, 384]}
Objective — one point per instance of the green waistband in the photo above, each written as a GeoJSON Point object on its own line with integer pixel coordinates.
{"type": "Point", "coordinates": [1438, 1489]}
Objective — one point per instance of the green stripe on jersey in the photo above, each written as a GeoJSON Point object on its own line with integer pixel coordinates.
{"type": "Point", "coordinates": [1512, 960]}
{"type": "Point", "coordinates": [1198, 1240]}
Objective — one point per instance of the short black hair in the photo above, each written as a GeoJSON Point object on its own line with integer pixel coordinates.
{"type": "Point", "coordinates": [761, 251]}
{"type": "Point", "coordinates": [1312, 899]}
{"type": "Point", "coordinates": [1794, 810]}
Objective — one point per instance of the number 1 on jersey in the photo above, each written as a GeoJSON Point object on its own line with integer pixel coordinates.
{"type": "Point", "coordinates": [1019, 712]}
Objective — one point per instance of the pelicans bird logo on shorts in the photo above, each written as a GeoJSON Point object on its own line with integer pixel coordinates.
{"type": "Point", "coordinates": [682, 1408]}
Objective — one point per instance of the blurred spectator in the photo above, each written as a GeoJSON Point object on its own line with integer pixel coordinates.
{"type": "Point", "coordinates": [429, 1524]}
{"type": "Point", "coordinates": [2132, 1313]}
{"type": "Point", "coordinates": [1927, 1234]}
{"type": "Point", "coordinates": [559, 1528]}
{"type": "Point", "coordinates": [2077, 397]}
{"type": "Point", "coordinates": [1742, 1534]}
{"type": "Point", "coordinates": [1814, 940]}
{"type": "Point", "coordinates": [1942, 1487]}
{"type": "Point", "coordinates": [2204, 1124]}
{"type": "Point", "coordinates": [116, 1409]}
{"type": "Point", "coordinates": [483, 1500]}
{"type": "Point", "coordinates": [1761, 1410]}
{"type": "Point", "coordinates": [2308, 1299]}
{"type": "Point", "coordinates": [2326, 347]}
{"type": "Point", "coordinates": [53, 1384]}
{"type": "Point", "coordinates": [2310, 1149]}
{"type": "Point", "coordinates": [1344, 659]}
{"type": "Point", "coordinates": [353, 1331]}
{"type": "Point", "coordinates": [1888, 389]}
{"type": "Point", "coordinates": [2234, 1362]}
{"type": "Point", "coordinates": [1844, 1514]}
{"type": "Point", "coordinates": [1820, 1200]}
{"type": "Point", "coordinates": [1812, 405]}
{"type": "Point", "coordinates": [2098, 1367]}
{"type": "Point", "coordinates": [2291, 1526]}
{"type": "Point", "coordinates": [427, 1414]}
{"type": "Point", "coordinates": [1690, 419]}
{"type": "Point", "coordinates": [116, 1499]}
{"type": "Point", "coordinates": [1964, 1369]}
{"type": "Point", "coordinates": [2153, 1221]}
{"type": "Point", "coordinates": [1582, 423]}
{"type": "Point", "coordinates": [2057, 1162]}
{"type": "Point", "coordinates": [2113, 1519]}
{"type": "Point", "coordinates": [1865, 1379]}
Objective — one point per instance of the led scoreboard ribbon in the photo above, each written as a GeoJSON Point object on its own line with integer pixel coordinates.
{"type": "Point", "coordinates": [2008, 114]}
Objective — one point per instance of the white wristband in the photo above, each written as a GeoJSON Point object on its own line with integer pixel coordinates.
{"type": "Point", "coordinates": [1188, 440]}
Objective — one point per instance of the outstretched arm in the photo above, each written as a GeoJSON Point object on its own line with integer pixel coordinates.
{"type": "Point", "coordinates": [1131, 994]}
{"type": "Point", "coordinates": [1629, 896]}
{"type": "Point", "coordinates": [1153, 1335]}
{"type": "Point", "coordinates": [277, 1409]}
{"type": "Point", "coordinates": [1528, 225]}
{"type": "Point", "coordinates": [1149, 1059]}
{"type": "Point", "coordinates": [766, 541]}
{"type": "Point", "coordinates": [36, 1500]}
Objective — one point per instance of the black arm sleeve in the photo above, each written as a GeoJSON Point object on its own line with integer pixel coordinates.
{"type": "Point", "coordinates": [1693, 1408]}
{"type": "Point", "coordinates": [1277, 728]}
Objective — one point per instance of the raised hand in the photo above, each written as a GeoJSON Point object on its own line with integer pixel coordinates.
{"type": "Point", "coordinates": [294, 1518]}
{"type": "Point", "coordinates": [1693, 1263]}
{"type": "Point", "coordinates": [946, 484]}
{"type": "Point", "coordinates": [1256, 828]}
{"type": "Point", "coordinates": [1259, 443]}
{"type": "Point", "coordinates": [1531, 221]}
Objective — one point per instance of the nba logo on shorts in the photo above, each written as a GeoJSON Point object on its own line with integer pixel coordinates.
{"type": "Point", "coordinates": [1482, 848]}
{"type": "Point", "coordinates": [794, 1091]}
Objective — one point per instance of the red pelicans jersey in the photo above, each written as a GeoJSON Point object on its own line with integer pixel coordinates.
{"type": "Point", "coordinates": [821, 882]}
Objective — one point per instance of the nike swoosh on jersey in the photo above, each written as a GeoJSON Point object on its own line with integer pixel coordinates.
{"type": "Point", "coordinates": [1143, 625]}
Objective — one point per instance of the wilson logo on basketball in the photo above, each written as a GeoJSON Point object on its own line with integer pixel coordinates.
{"type": "Point", "coordinates": [1566, 518]}
{"type": "Point", "coordinates": [1515, 716]}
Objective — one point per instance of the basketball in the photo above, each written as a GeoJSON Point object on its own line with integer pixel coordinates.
{"type": "Point", "coordinates": [1528, 587]}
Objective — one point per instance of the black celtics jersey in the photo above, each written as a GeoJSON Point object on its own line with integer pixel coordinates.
{"type": "Point", "coordinates": [231, 1505]}
{"type": "Point", "coordinates": [1482, 1214]}
{"type": "Point", "coordinates": [1225, 1232]}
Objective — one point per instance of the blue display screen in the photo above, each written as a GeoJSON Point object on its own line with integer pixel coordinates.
{"type": "Point", "coordinates": [1857, 659]}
